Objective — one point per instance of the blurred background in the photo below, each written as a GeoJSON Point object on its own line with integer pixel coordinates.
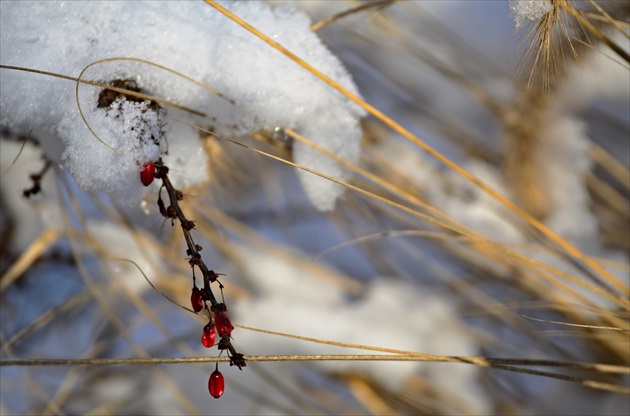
{"type": "Point", "coordinates": [442, 269]}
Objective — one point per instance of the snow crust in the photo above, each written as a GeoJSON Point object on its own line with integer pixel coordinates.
{"type": "Point", "coordinates": [267, 88]}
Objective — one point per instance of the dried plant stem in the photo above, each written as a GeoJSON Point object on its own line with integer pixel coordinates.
{"type": "Point", "coordinates": [481, 361]}
{"type": "Point", "coordinates": [209, 276]}
{"type": "Point", "coordinates": [106, 87]}
{"type": "Point", "coordinates": [429, 149]}
{"type": "Point", "coordinates": [444, 221]}
{"type": "Point", "coordinates": [106, 308]}
{"type": "Point", "coordinates": [597, 32]}
{"type": "Point", "coordinates": [603, 16]}
{"type": "Point", "coordinates": [614, 297]}
{"type": "Point", "coordinates": [15, 159]}
{"type": "Point", "coordinates": [46, 239]}
{"type": "Point", "coordinates": [497, 363]}
{"type": "Point", "coordinates": [604, 159]}
{"type": "Point", "coordinates": [362, 7]}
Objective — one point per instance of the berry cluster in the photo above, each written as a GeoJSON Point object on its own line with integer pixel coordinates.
{"type": "Point", "coordinates": [219, 321]}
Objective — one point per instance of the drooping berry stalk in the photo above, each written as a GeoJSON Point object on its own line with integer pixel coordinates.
{"type": "Point", "coordinates": [223, 325]}
{"type": "Point", "coordinates": [209, 276]}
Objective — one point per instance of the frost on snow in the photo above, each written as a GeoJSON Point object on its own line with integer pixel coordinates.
{"type": "Point", "coordinates": [267, 88]}
{"type": "Point", "coordinates": [524, 11]}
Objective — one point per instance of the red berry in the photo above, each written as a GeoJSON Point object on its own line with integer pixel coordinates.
{"type": "Point", "coordinates": [147, 174]}
{"type": "Point", "coordinates": [196, 300]}
{"type": "Point", "coordinates": [207, 338]}
{"type": "Point", "coordinates": [224, 325]}
{"type": "Point", "coordinates": [216, 384]}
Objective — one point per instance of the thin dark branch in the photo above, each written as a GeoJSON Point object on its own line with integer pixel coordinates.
{"type": "Point", "coordinates": [209, 276]}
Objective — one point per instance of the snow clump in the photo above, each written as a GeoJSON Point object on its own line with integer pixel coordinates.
{"type": "Point", "coordinates": [524, 11]}
{"type": "Point", "coordinates": [265, 89]}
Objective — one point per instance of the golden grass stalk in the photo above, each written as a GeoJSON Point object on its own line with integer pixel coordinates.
{"type": "Point", "coordinates": [423, 145]}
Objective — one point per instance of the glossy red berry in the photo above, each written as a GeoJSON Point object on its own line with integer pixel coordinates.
{"type": "Point", "coordinates": [147, 174]}
{"type": "Point", "coordinates": [216, 384]}
{"type": "Point", "coordinates": [223, 323]}
{"type": "Point", "coordinates": [207, 337]}
{"type": "Point", "coordinates": [196, 300]}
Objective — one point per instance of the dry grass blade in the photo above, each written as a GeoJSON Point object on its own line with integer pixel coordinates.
{"type": "Point", "coordinates": [31, 383]}
{"type": "Point", "coordinates": [605, 17]}
{"type": "Point", "coordinates": [44, 319]}
{"type": "Point", "coordinates": [481, 361]}
{"type": "Point", "coordinates": [594, 30]}
{"type": "Point", "coordinates": [378, 4]}
{"type": "Point", "coordinates": [108, 87]}
{"type": "Point", "coordinates": [612, 165]}
{"type": "Point", "coordinates": [386, 234]}
{"type": "Point", "coordinates": [17, 156]}
{"type": "Point", "coordinates": [46, 239]}
{"type": "Point", "coordinates": [434, 249]}
{"type": "Point", "coordinates": [155, 288]}
{"type": "Point", "coordinates": [610, 328]}
{"type": "Point", "coordinates": [429, 149]}
{"type": "Point", "coordinates": [106, 308]}
{"type": "Point", "coordinates": [451, 225]}
{"type": "Point", "coordinates": [623, 302]}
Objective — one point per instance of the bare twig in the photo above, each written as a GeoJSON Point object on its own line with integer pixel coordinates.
{"type": "Point", "coordinates": [209, 276]}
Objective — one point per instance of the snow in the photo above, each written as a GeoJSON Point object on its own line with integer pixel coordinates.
{"type": "Point", "coordinates": [565, 147]}
{"type": "Point", "coordinates": [525, 11]}
{"type": "Point", "coordinates": [268, 89]}
{"type": "Point", "coordinates": [398, 305]}
{"type": "Point", "coordinates": [391, 314]}
{"type": "Point", "coordinates": [126, 126]}
{"type": "Point", "coordinates": [38, 212]}
{"type": "Point", "coordinates": [120, 243]}
{"type": "Point", "coordinates": [585, 82]}
{"type": "Point", "coordinates": [474, 208]}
